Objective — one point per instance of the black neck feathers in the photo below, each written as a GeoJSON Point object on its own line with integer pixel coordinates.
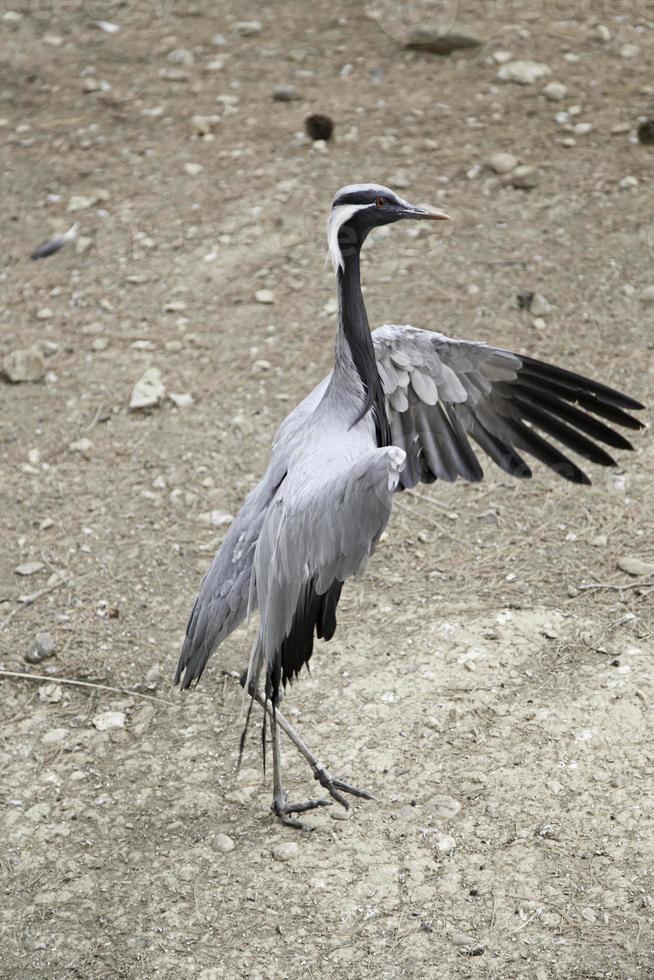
{"type": "Point", "coordinates": [354, 324]}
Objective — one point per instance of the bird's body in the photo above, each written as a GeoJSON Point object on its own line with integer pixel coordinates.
{"type": "Point", "coordinates": [399, 407]}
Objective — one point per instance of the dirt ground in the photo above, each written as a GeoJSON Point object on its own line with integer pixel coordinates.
{"type": "Point", "coordinates": [495, 706]}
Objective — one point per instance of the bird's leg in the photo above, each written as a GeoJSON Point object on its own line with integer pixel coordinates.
{"type": "Point", "coordinates": [335, 787]}
{"type": "Point", "coordinates": [280, 807]}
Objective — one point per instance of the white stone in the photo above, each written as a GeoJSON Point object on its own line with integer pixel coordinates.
{"type": "Point", "coordinates": [285, 851]}
{"type": "Point", "coordinates": [24, 365]}
{"type": "Point", "coordinates": [247, 28]}
{"type": "Point", "coordinates": [193, 169]}
{"type": "Point", "coordinates": [555, 91]}
{"type": "Point", "coordinates": [29, 568]}
{"type": "Point", "coordinates": [54, 735]}
{"type": "Point", "coordinates": [523, 72]}
{"type": "Point", "coordinates": [148, 391]}
{"type": "Point", "coordinates": [502, 163]}
{"type": "Point", "coordinates": [223, 843]}
{"type": "Point", "coordinates": [181, 400]}
{"type": "Point", "coordinates": [647, 295]}
{"type": "Point", "coordinates": [82, 445]}
{"type": "Point", "coordinates": [264, 296]}
{"type": "Point", "coordinates": [540, 306]}
{"type": "Point", "coordinates": [524, 177]}
{"type": "Point", "coordinates": [107, 721]}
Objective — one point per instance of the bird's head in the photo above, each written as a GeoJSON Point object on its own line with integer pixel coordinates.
{"type": "Point", "coordinates": [358, 208]}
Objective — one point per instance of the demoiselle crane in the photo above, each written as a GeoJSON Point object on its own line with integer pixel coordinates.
{"type": "Point", "coordinates": [400, 407]}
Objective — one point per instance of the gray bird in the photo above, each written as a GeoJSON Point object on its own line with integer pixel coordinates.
{"type": "Point", "coordinates": [400, 407]}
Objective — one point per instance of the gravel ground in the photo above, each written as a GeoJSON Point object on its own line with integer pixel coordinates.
{"type": "Point", "coordinates": [491, 678]}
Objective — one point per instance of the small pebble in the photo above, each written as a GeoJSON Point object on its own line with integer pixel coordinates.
{"type": "Point", "coordinates": [628, 183]}
{"type": "Point", "coordinates": [441, 40]}
{"type": "Point", "coordinates": [285, 93]}
{"type": "Point", "coordinates": [83, 445]}
{"type": "Point", "coordinates": [502, 163]}
{"type": "Point", "coordinates": [29, 568]}
{"type": "Point", "coordinates": [24, 365]}
{"type": "Point", "coordinates": [148, 391]}
{"type": "Point", "coordinates": [286, 851]}
{"type": "Point", "coordinates": [319, 127]}
{"type": "Point", "coordinates": [193, 169]}
{"type": "Point", "coordinates": [540, 306]}
{"type": "Point", "coordinates": [248, 28]}
{"type": "Point", "coordinates": [107, 721]}
{"type": "Point", "coordinates": [223, 843]}
{"type": "Point", "coordinates": [180, 56]}
{"type": "Point", "coordinates": [54, 735]}
{"type": "Point", "coordinates": [647, 295]}
{"type": "Point", "coordinates": [523, 72]}
{"type": "Point", "coordinates": [181, 400]}
{"type": "Point", "coordinates": [265, 296]}
{"type": "Point", "coordinates": [524, 177]}
{"type": "Point", "coordinates": [645, 132]}
{"type": "Point", "coordinates": [42, 648]}
{"type": "Point", "coordinates": [555, 91]}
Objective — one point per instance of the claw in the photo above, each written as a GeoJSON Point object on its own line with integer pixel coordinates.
{"type": "Point", "coordinates": [333, 785]}
{"type": "Point", "coordinates": [283, 811]}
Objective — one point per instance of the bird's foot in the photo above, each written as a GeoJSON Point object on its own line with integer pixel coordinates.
{"type": "Point", "coordinates": [283, 810]}
{"type": "Point", "coordinates": [336, 787]}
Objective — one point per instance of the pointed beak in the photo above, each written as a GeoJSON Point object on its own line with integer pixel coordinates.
{"type": "Point", "coordinates": [427, 214]}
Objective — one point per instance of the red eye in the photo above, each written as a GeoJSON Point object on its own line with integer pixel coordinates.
{"type": "Point", "coordinates": [381, 202]}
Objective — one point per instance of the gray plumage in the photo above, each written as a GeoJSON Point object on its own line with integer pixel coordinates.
{"type": "Point", "coordinates": [401, 406]}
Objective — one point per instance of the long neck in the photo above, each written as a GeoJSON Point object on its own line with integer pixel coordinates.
{"type": "Point", "coordinates": [355, 353]}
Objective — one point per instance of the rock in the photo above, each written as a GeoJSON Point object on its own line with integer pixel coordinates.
{"type": "Point", "coordinates": [54, 735]}
{"type": "Point", "coordinates": [599, 541]}
{"type": "Point", "coordinates": [148, 391]}
{"type": "Point", "coordinates": [50, 693]}
{"type": "Point", "coordinates": [441, 40]}
{"type": "Point", "coordinates": [82, 445]}
{"type": "Point", "coordinates": [524, 177]}
{"type": "Point", "coordinates": [502, 163]}
{"type": "Point", "coordinates": [264, 296]}
{"type": "Point", "coordinates": [223, 843]}
{"type": "Point", "coordinates": [91, 84]}
{"type": "Point", "coordinates": [285, 93]}
{"type": "Point", "coordinates": [107, 721]}
{"type": "Point", "coordinates": [319, 127]}
{"type": "Point", "coordinates": [647, 295]}
{"type": "Point", "coordinates": [193, 169]}
{"type": "Point", "coordinates": [540, 306]}
{"type": "Point", "coordinates": [645, 132]}
{"type": "Point", "coordinates": [635, 566]}
{"type": "Point", "coordinates": [523, 72]}
{"type": "Point", "coordinates": [285, 851]}
{"type": "Point", "coordinates": [173, 74]}
{"type": "Point", "coordinates": [180, 56]}
{"type": "Point", "coordinates": [42, 648]}
{"type": "Point", "coordinates": [220, 518]}
{"type": "Point", "coordinates": [45, 313]}
{"type": "Point", "coordinates": [628, 183]}
{"type": "Point", "coordinates": [24, 365]}
{"type": "Point", "coordinates": [29, 568]}
{"type": "Point", "coordinates": [203, 125]}
{"type": "Point", "coordinates": [555, 91]}
{"type": "Point", "coordinates": [601, 33]}
{"type": "Point", "coordinates": [247, 28]}
{"type": "Point", "coordinates": [445, 843]}
{"type": "Point", "coordinates": [629, 50]}
{"type": "Point", "coordinates": [184, 400]}
{"type": "Point", "coordinates": [78, 202]}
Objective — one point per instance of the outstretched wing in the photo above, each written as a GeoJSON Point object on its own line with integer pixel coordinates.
{"type": "Point", "coordinates": [442, 392]}
{"type": "Point", "coordinates": [317, 532]}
